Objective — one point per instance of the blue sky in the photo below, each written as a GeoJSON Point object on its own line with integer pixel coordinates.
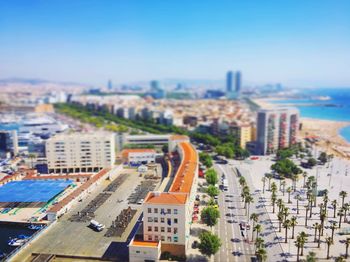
{"type": "Point", "coordinates": [295, 42]}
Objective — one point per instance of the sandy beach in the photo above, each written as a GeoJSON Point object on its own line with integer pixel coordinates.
{"type": "Point", "coordinates": [328, 134]}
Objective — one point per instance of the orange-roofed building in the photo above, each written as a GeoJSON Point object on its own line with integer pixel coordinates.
{"type": "Point", "coordinates": [140, 251]}
{"type": "Point", "coordinates": [167, 215]}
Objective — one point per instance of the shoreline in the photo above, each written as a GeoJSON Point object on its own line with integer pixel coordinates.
{"type": "Point", "coordinates": [327, 131]}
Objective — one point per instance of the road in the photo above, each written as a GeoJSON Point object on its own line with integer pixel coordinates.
{"type": "Point", "coordinates": [273, 247]}
{"type": "Point", "coordinates": [234, 247]}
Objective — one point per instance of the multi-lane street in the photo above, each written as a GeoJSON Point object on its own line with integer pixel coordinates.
{"type": "Point", "coordinates": [234, 247]}
{"type": "Point", "coordinates": [236, 243]}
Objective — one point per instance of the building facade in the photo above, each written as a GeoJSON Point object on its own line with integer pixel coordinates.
{"type": "Point", "coordinates": [75, 153]}
{"type": "Point", "coordinates": [276, 129]}
{"type": "Point", "coordinates": [136, 157]}
{"type": "Point", "coordinates": [8, 142]}
{"type": "Point", "coordinates": [167, 216]}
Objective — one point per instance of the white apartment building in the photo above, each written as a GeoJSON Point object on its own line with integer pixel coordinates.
{"type": "Point", "coordinates": [138, 156]}
{"type": "Point", "coordinates": [75, 153]}
{"type": "Point", "coordinates": [276, 129]}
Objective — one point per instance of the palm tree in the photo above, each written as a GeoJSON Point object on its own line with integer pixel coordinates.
{"type": "Point", "coordinates": [347, 243]}
{"type": "Point", "coordinates": [333, 227]}
{"type": "Point", "coordinates": [343, 194]}
{"type": "Point", "coordinates": [242, 181]}
{"type": "Point", "coordinates": [286, 225]}
{"type": "Point", "coordinates": [285, 211]}
{"type": "Point", "coordinates": [259, 243]}
{"type": "Point", "coordinates": [311, 257]}
{"type": "Point", "coordinates": [289, 190]}
{"type": "Point", "coordinates": [295, 179]}
{"type": "Point", "coordinates": [279, 204]}
{"type": "Point", "coordinates": [298, 198]}
{"type": "Point", "coordinates": [281, 178]}
{"type": "Point", "coordinates": [264, 181]}
{"type": "Point", "coordinates": [280, 217]}
{"type": "Point", "coordinates": [269, 177]}
{"type": "Point", "coordinates": [248, 200]}
{"type": "Point", "coordinates": [273, 200]}
{"type": "Point", "coordinates": [322, 218]}
{"type": "Point", "coordinates": [325, 202]}
{"type": "Point", "coordinates": [304, 176]}
{"type": "Point", "coordinates": [254, 217]}
{"type": "Point", "coordinates": [293, 223]}
{"type": "Point", "coordinates": [298, 245]}
{"type": "Point", "coordinates": [283, 186]}
{"type": "Point", "coordinates": [329, 242]}
{"type": "Point", "coordinates": [346, 208]}
{"type": "Point", "coordinates": [273, 187]}
{"type": "Point", "coordinates": [340, 214]}
{"type": "Point", "coordinates": [334, 206]}
{"type": "Point", "coordinates": [307, 208]}
{"type": "Point", "coordinates": [303, 236]}
{"type": "Point", "coordinates": [319, 235]}
{"type": "Point", "coordinates": [258, 229]}
{"type": "Point", "coordinates": [315, 227]}
{"type": "Point", "coordinates": [300, 242]}
{"type": "Point", "coordinates": [261, 254]}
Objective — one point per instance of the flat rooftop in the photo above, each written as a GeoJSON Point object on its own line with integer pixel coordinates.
{"type": "Point", "coordinates": [140, 243]}
{"type": "Point", "coordinates": [27, 191]}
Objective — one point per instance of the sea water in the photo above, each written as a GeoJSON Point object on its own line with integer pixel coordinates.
{"type": "Point", "coordinates": [337, 108]}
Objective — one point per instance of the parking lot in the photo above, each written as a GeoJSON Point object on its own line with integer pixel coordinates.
{"type": "Point", "coordinates": [76, 238]}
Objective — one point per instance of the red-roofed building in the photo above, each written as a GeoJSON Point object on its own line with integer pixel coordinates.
{"type": "Point", "coordinates": [167, 215]}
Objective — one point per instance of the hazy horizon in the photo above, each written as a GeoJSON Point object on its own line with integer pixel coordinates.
{"type": "Point", "coordinates": [296, 43]}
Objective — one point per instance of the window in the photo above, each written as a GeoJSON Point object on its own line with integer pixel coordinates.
{"type": "Point", "coordinates": [162, 220]}
{"type": "Point", "coordinates": [149, 210]}
{"type": "Point", "coordinates": [163, 238]}
{"type": "Point", "coordinates": [162, 229]}
{"type": "Point", "coordinates": [155, 220]}
{"type": "Point", "coordinates": [169, 229]}
{"type": "Point", "coordinates": [162, 211]}
{"type": "Point", "coordinates": [149, 229]}
{"type": "Point", "coordinates": [156, 238]}
{"type": "Point", "coordinates": [176, 239]}
{"type": "Point", "coordinates": [169, 221]}
{"type": "Point", "coordinates": [169, 239]}
{"type": "Point", "coordinates": [150, 219]}
{"type": "Point", "coordinates": [175, 211]}
{"type": "Point", "coordinates": [168, 211]}
{"type": "Point", "coordinates": [138, 252]}
{"type": "Point", "coordinates": [149, 238]}
{"type": "Point", "coordinates": [155, 229]}
{"type": "Point", "coordinates": [175, 220]}
{"type": "Point", "coordinates": [156, 210]}
{"type": "Point", "coordinates": [175, 230]}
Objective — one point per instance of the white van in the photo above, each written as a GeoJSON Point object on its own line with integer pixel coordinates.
{"type": "Point", "coordinates": [96, 226]}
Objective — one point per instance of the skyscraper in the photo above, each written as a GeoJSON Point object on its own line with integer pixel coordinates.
{"type": "Point", "coordinates": [276, 129]}
{"type": "Point", "coordinates": [109, 85]}
{"type": "Point", "coordinates": [238, 82]}
{"type": "Point", "coordinates": [229, 81]}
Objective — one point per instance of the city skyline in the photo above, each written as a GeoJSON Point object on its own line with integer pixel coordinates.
{"type": "Point", "coordinates": [293, 43]}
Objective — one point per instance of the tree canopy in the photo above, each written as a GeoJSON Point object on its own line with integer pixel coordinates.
{"type": "Point", "coordinates": [211, 177]}
{"type": "Point", "coordinates": [209, 244]}
{"type": "Point", "coordinates": [210, 216]}
{"type": "Point", "coordinates": [206, 159]}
